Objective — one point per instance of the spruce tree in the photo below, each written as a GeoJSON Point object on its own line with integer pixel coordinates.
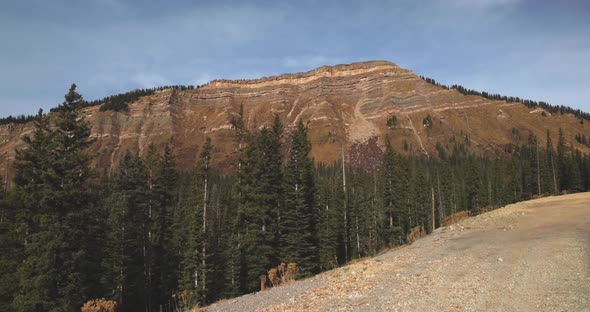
{"type": "Point", "coordinates": [162, 261]}
{"type": "Point", "coordinates": [562, 161]}
{"type": "Point", "coordinates": [392, 197]}
{"type": "Point", "coordinates": [298, 228]}
{"type": "Point", "coordinates": [257, 218]}
{"type": "Point", "coordinates": [328, 225]}
{"type": "Point", "coordinates": [11, 252]}
{"type": "Point", "coordinates": [389, 183]}
{"type": "Point", "coordinates": [53, 182]}
{"type": "Point", "coordinates": [126, 263]}
{"type": "Point", "coordinates": [195, 270]}
{"type": "Point", "coordinates": [203, 176]}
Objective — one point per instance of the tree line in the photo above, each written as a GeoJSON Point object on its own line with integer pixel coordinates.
{"type": "Point", "coordinates": [118, 102]}
{"type": "Point", "coordinates": [554, 109]}
{"type": "Point", "coordinates": [153, 238]}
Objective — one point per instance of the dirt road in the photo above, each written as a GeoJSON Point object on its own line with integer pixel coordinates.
{"type": "Point", "coordinates": [530, 256]}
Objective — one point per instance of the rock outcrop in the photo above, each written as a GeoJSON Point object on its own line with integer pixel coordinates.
{"type": "Point", "coordinates": [345, 106]}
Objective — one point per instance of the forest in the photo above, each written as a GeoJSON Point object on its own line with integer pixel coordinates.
{"type": "Point", "coordinates": [152, 238]}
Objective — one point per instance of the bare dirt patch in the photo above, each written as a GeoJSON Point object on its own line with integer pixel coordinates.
{"type": "Point", "coordinates": [530, 256]}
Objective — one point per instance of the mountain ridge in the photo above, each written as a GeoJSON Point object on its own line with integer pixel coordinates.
{"type": "Point", "coordinates": [347, 107]}
{"type": "Point", "coordinates": [301, 77]}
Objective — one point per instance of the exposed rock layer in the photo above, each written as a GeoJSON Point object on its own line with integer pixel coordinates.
{"type": "Point", "coordinates": [344, 105]}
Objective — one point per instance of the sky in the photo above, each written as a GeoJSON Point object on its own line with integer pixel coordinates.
{"type": "Point", "coordinates": [535, 49]}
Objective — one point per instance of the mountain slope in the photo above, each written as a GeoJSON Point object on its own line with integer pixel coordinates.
{"type": "Point", "coordinates": [346, 106]}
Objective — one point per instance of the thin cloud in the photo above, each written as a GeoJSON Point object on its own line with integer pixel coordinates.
{"type": "Point", "coordinates": [503, 45]}
{"type": "Point", "coordinates": [149, 80]}
{"type": "Point", "coordinates": [481, 4]}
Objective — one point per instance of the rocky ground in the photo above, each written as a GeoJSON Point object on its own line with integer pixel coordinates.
{"type": "Point", "coordinates": [530, 256]}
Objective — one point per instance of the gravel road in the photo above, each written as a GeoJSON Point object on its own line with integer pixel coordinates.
{"type": "Point", "coordinates": [530, 256]}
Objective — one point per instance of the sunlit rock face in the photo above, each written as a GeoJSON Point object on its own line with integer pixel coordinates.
{"type": "Point", "coordinates": [345, 106]}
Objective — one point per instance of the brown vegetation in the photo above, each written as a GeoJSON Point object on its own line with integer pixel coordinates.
{"type": "Point", "coordinates": [99, 305]}
{"type": "Point", "coordinates": [416, 233]}
{"type": "Point", "coordinates": [456, 217]}
{"type": "Point", "coordinates": [281, 275]}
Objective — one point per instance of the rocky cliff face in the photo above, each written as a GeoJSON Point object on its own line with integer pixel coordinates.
{"type": "Point", "coordinates": [345, 106]}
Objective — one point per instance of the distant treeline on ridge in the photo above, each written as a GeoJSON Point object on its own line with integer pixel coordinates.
{"type": "Point", "coordinates": [554, 109]}
{"type": "Point", "coordinates": [118, 102]}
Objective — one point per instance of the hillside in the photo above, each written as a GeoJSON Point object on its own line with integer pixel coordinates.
{"type": "Point", "coordinates": [158, 236]}
{"type": "Point", "coordinates": [529, 256]}
{"type": "Point", "coordinates": [346, 106]}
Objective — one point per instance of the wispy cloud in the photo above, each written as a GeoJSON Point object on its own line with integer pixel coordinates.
{"type": "Point", "coordinates": [480, 4]}
{"type": "Point", "coordinates": [503, 45]}
{"type": "Point", "coordinates": [308, 62]}
{"type": "Point", "coordinates": [148, 80]}
{"type": "Point", "coordinates": [201, 80]}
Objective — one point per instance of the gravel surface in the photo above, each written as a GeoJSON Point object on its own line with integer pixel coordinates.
{"type": "Point", "coordinates": [530, 256]}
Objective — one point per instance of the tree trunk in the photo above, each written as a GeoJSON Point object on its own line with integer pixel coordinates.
{"type": "Point", "coordinates": [538, 173]}
{"type": "Point", "coordinates": [553, 172]}
{"type": "Point", "coordinates": [441, 211]}
{"type": "Point", "coordinates": [204, 252]}
{"type": "Point", "coordinates": [433, 215]}
{"type": "Point", "coordinates": [345, 210]}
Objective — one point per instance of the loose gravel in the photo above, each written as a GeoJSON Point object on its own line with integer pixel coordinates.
{"type": "Point", "coordinates": [530, 256]}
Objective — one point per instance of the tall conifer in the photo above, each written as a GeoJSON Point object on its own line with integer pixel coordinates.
{"type": "Point", "coordinates": [298, 228]}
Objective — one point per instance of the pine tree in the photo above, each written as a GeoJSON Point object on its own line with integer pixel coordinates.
{"type": "Point", "coordinates": [271, 182]}
{"type": "Point", "coordinates": [328, 217]}
{"type": "Point", "coordinates": [203, 171]}
{"type": "Point", "coordinates": [53, 182]}
{"type": "Point", "coordinates": [392, 199]}
{"type": "Point", "coordinates": [162, 277]}
{"type": "Point", "coordinates": [298, 228]}
{"type": "Point", "coordinates": [195, 271]}
{"type": "Point", "coordinates": [235, 253]}
{"type": "Point", "coordinates": [401, 199]}
{"type": "Point", "coordinates": [561, 161]}
{"type": "Point", "coordinates": [126, 262]}
{"type": "Point", "coordinates": [389, 182]}
{"type": "Point", "coordinates": [258, 237]}
{"type": "Point", "coordinates": [11, 252]}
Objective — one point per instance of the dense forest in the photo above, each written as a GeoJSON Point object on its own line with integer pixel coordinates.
{"type": "Point", "coordinates": [152, 238]}
{"type": "Point", "coordinates": [554, 109]}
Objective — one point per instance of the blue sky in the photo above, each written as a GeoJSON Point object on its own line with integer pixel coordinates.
{"type": "Point", "coordinates": [535, 49]}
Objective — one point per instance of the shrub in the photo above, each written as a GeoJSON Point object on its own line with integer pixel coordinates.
{"type": "Point", "coordinates": [99, 305]}
{"type": "Point", "coordinates": [392, 121]}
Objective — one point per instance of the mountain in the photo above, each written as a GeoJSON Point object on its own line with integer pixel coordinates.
{"type": "Point", "coordinates": [348, 108]}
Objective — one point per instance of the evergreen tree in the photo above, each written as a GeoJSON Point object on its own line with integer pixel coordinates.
{"type": "Point", "coordinates": [298, 228]}
{"type": "Point", "coordinates": [162, 262]}
{"type": "Point", "coordinates": [195, 270]}
{"type": "Point", "coordinates": [389, 181]}
{"type": "Point", "coordinates": [257, 210]}
{"type": "Point", "coordinates": [127, 262]}
{"type": "Point", "coordinates": [11, 252]}
{"type": "Point", "coordinates": [53, 182]}
{"type": "Point", "coordinates": [328, 217]}
{"type": "Point", "coordinates": [392, 199]}
{"type": "Point", "coordinates": [561, 160]}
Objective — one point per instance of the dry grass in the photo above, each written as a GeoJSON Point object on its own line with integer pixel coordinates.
{"type": "Point", "coordinates": [99, 305]}
{"type": "Point", "coordinates": [456, 217]}
{"type": "Point", "coordinates": [416, 233]}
